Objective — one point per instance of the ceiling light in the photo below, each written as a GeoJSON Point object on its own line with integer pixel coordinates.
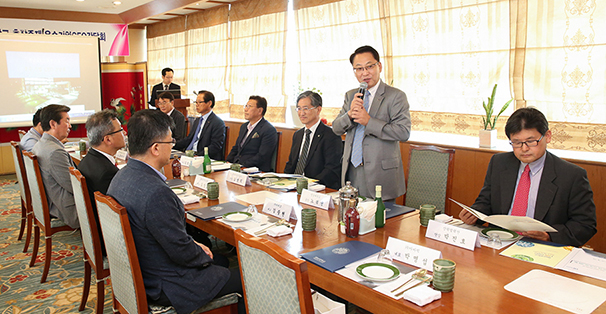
{"type": "Point", "coordinates": [80, 0]}
{"type": "Point", "coordinates": [117, 2]}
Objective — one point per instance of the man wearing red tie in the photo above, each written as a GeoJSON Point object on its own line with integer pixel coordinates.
{"type": "Point", "coordinates": [535, 183]}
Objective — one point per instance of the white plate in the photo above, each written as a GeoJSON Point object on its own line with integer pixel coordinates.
{"type": "Point", "coordinates": [378, 271]}
{"type": "Point", "coordinates": [237, 216]}
{"type": "Point", "coordinates": [179, 191]}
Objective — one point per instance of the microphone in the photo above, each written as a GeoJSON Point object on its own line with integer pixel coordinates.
{"type": "Point", "coordinates": [362, 89]}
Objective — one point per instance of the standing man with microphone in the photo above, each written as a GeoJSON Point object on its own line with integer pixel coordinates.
{"type": "Point", "coordinates": [376, 119]}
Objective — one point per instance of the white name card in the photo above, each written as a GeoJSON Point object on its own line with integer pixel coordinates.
{"type": "Point", "coordinates": [279, 209]}
{"type": "Point", "coordinates": [456, 236]}
{"type": "Point", "coordinates": [186, 161]}
{"type": "Point", "coordinates": [316, 199]}
{"type": "Point", "coordinates": [238, 178]}
{"type": "Point", "coordinates": [121, 154]}
{"type": "Point", "coordinates": [201, 182]}
{"type": "Point", "coordinates": [412, 254]}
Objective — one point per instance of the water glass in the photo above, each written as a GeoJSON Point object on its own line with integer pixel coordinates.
{"type": "Point", "coordinates": [308, 219]}
{"type": "Point", "coordinates": [427, 213]}
{"type": "Point", "coordinates": [443, 274]}
{"type": "Point", "coordinates": [213, 190]}
{"type": "Point", "coordinates": [301, 185]}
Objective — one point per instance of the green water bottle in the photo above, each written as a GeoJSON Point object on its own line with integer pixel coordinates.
{"type": "Point", "coordinates": [380, 213]}
{"type": "Point", "coordinates": [206, 164]}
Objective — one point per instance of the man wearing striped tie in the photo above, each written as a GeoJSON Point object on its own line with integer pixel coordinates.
{"type": "Point", "coordinates": [316, 150]}
{"type": "Point", "coordinates": [376, 119]}
{"type": "Point", "coordinates": [532, 182]}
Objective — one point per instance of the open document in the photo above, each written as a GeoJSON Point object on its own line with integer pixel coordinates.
{"type": "Point", "coordinates": [513, 223]}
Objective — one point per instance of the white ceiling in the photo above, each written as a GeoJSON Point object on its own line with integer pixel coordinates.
{"type": "Point", "coordinates": [107, 6]}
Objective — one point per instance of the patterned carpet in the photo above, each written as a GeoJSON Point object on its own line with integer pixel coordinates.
{"type": "Point", "coordinates": [20, 287]}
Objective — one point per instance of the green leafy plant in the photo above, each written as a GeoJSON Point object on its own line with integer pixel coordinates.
{"type": "Point", "coordinates": [489, 107]}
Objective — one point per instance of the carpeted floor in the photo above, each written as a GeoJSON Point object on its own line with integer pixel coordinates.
{"type": "Point", "coordinates": [20, 288]}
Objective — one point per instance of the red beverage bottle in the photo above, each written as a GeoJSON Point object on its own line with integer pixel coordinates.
{"type": "Point", "coordinates": [352, 220]}
{"type": "Point", "coordinates": [176, 165]}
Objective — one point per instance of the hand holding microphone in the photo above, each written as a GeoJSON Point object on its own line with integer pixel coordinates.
{"type": "Point", "coordinates": [357, 112]}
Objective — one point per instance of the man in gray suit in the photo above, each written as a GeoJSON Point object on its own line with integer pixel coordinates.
{"type": "Point", "coordinates": [532, 182]}
{"type": "Point", "coordinates": [54, 163]}
{"type": "Point", "coordinates": [375, 124]}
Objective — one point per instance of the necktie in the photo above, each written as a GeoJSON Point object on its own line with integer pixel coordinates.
{"type": "Point", "coordinates": [194, 142]}
{"type": "Point", "coordinates": [250, 128]}
{"type": "Point", "coordinates": [356, 151]}
{"type": "Point", "coordinates": [165, 87]}
{"type": "Point", "coordinates": [303, 158]}
{"type": "Point", "coordinates": [520, 203]}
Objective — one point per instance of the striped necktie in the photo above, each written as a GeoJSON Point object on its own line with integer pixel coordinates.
{"type": "Point", "coordinates": [356, 151]}
{"type": "Point", "coordinates": [303, 158]}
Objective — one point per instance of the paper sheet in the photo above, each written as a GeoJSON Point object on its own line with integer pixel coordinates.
{"type": "Point", "coordinates": [537, 253]}
{"type": "Point", "coordinates": [587, 263]}
{"type": "Point", "coordinates": [562, 292]}
{"type": "Point", "coordinates": [257, 198]}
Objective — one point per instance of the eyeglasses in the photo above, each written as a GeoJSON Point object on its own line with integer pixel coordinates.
{"type": "Point", "coordinates": [249, 106]}
{"type": "Point", "coordinates": [161, 102]}
{"type": "Point", "coordinates": [199, 102]}
{"type": "Point", "coordinates": [532, 143]}
{"type": "Point", "coordinates": [367, 68]}
{"type": "Point", "coordinates": [172, 142]}
{"type": "Point", "coordinates": [305, 109]}
{"type": "Point", "coordinates": [114, 132]}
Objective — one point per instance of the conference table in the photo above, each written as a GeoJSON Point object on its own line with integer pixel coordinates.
{"type": "Point", "coordinates": [480, 274]}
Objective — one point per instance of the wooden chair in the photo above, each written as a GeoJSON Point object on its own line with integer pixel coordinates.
{"type": "Point", "coordinates": [273, 280]}
{"type": "Point", "coordinates": [40, 208]}
{"type": "Point", "coordinates": [275, 159]}
{"type": "Point", "coordinates": [127, 280]}
{"type": "Point", "coordinates": [26, 199]}
{"type": "Point", "coordinates": [429, 177]}
{"type": "Point", "coordinates": [21, 134]}
{"type": "Point", "coordinates": [226, 143]}
{"type": "Point", "coordinates": [93, 253]}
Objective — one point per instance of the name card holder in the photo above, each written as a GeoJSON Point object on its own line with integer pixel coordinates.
{"type": "Point", "coordinates": [201, 182]}
{"type": "Point", "coordinates": [412, 254]}
{"type": "Point", "coordinates": [196, 167]}
{"type": "Point", "coordinates": [237, 178]}
{"type": "Point", "coordinates": [456, 236]}
{"type": "Point", "coordinates": [316, 199]}
{"type": "Point", "coordinates": [122, 154]}
{"type": "Point", "coordinates": [186, 161]}
{"type": "Point", "coordinates": [279, 209]}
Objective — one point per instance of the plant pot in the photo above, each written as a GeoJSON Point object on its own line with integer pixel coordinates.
{"type": "Point", "coordinates": [488, 138]}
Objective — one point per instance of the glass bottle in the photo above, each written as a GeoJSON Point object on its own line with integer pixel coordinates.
{"type": "Point", "coordinates": [346, 193]}
{"type": "Point", "coordinates": [352, 220]}
{"type": "Point", "coordinates": [380, 213]}
{"type": "Point", "coordinates": [176, 165]}
{"type": "Point", "coordinates": [206, 164]}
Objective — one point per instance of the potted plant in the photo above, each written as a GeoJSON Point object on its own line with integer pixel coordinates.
{"type": "Point", "coordinates": [488, 136]}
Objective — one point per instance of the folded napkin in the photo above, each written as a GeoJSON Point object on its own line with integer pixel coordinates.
{"type": "Point", "coordinates": [422, 295]}
{"type": "Point", "coordinates": [189, 199]}
{"type": "Point", "coordinates": [317, 187]}
{"type": "Point", "coordinates": [279, 231]}
{"type": "Point", "coordinates": [251, 170]}
{"type": "Point", "coordinates": [367, 210]}
{"type": "Point", "coordinates": [443, 218]}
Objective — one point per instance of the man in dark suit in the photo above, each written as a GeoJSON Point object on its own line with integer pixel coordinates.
{"type": "Point", "coordinates": [316, 150]}
{"type": "Point", "coordinates": [106, 137]}
{"type": "Point", "coordinates": [166, 84]}
{"type": "Point", "coordinates": [374, 124]}
{"type": "Point", "coordinates": [535, 183]}
{"type": "Point", "coordinates": [257, 140]}
{"type": "Point", "coordinates": [176, 270]}
{"type": "Point", "coordinates": [207, 131]}
{"type": "Point", "coordinates": [166, 103]}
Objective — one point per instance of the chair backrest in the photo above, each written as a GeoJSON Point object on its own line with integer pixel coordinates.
{"type": "Point", "coordinates": [36, 188]}
{"type": "Point", "coordinates": [127, 281]}
{"type": "Point", "coordinates": [21, 134]}
{"type": "Point", "coordinates": [276, 156]}
{"type": "Point", "coordinates": [86, 216]}
{"type": "Point", "coordinates": [226, 143]}
{"type": "Point", "coordinates": [20, 171]}
{"type": "Point", "coordinates": [273, 280]}
{"type": "Point", "coordinates": [429, 177]}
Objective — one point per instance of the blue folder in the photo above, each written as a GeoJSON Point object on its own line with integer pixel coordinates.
{"type": "Point", "coordinates": [393, 210]}
{"type": "Point", "coordinates": [335, 257]}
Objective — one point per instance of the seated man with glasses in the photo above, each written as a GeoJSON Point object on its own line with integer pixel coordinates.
{"type": "Point", "coordinates": [106, 137]}
{"type": "Point", "coordinates": [316, 150]}
{"type": "Point", "coordinates": [532, 182]}
{"type": "Point", "coordinates": [166, 103]}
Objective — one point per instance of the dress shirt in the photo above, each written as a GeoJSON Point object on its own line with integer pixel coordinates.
{"type": "Point", "coordinates": [536, 171]}
{"type": "Point", "coordinates": [108, 156]}
{"type": "Point", "coordinates": [200, 128]}
{"type": "Point", "coordinates": [156, 170]}
{"type": "Point", "coordinates": [168, 113]}
{"type": "Point", "coordinates": [311, 136]}
{"type": "Point", "coordinates": [372, 91]}
{"type": "Point", "coordinates": [250, 127]}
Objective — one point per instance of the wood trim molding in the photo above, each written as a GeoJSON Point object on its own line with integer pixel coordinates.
{"type": "Point", "coordinates": [156, 7]}
{"type": "Point", "coordinates": [57, 15]}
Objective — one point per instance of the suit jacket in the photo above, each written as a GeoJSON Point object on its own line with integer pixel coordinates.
{"type": "Point", "coordinates": [157, 87]}
{"type": "Point", "coordinates": [258, 148]}
{"type": "Point", "coordinates": [213, 137]}
{"type": "Point", "coordinates": [54, 164]}
{"type": "Point", "coordinates": [99, 172]}
{"type": "Point", "coordinates": [323, 157]}
{"type": "Point", "coordinates": [180, 129]}
{"type": "Point", "coordinates": [170, 260]}
{"type": "Point", "coordinates": [564, 199]}
{"type": "Point", "coordinates": [388, 126]}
